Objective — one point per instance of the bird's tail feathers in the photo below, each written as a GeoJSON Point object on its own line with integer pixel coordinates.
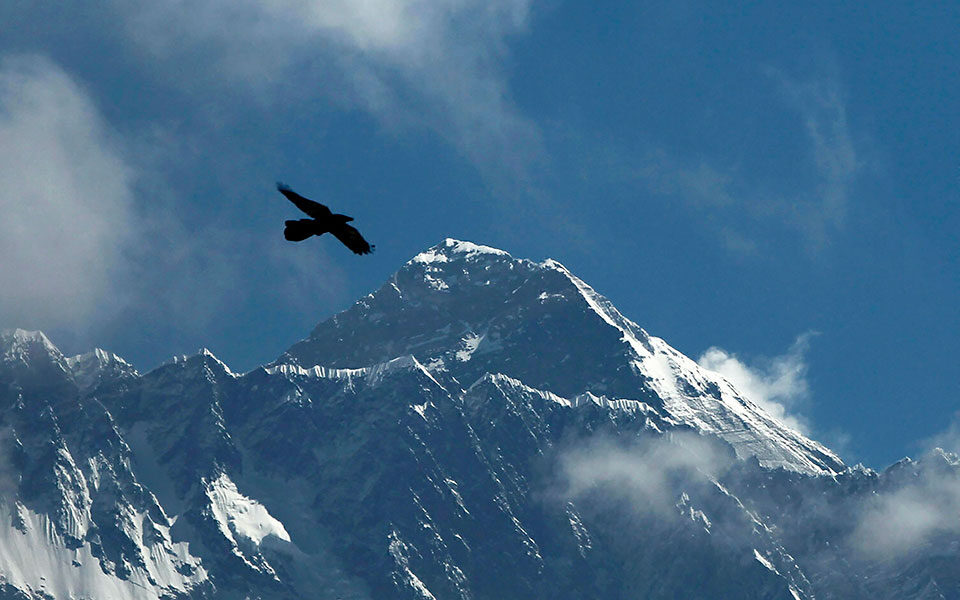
{"type": "Point", "coordinates": [297, 231]}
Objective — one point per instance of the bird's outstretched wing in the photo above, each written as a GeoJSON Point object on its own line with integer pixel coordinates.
{"type": "Point", "coordinates": [314, 209]}
{"type": "Point", "coordinates": [352, 239]}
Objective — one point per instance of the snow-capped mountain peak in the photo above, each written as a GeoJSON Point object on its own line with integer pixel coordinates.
{"type": "Point", "coordinates": [91, 368]}
{"type": "Point", "coordinates": [464, 310]}
{"type": "Point", "coordinates": [450, 247]}
{"type": "Point", "coordinates": [21, 344]}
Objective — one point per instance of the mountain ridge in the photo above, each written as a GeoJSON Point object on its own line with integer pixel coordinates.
{"type": "Point", "coordinates": [438, 455]}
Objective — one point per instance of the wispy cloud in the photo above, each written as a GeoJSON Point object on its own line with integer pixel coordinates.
{"type": "Point", "coordinates": [700, 183]}
{"type": "Point", "coordinates": [778, 385]}
{"type": "Point", "coordinates": [948, 439]}
{"type": "Point", "coordinates": [429, 63]}
{"type": "Point", "coordinates": [893, 524]}
{"type": "Point", "coordinates": [822, 109]}
{"type": "Point", "coordinates": [644, 472]}
{"type": "Point", "coordinates": [739, 204]}
{"type": "Point", "coordinates": [66, 198]}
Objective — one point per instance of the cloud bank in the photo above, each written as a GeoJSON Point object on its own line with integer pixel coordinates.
{"type": "Point", "coordinates": [65, 198]}
{"type": "Point", "coordinates": [90, 242]}
{"type": "Point", "coordinates": [430, 63]}
{"type": "Point", "coordinates": [778, 385]}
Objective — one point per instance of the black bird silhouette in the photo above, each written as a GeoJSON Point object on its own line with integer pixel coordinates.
{"type": "Point", "coordinates": [323, 221]}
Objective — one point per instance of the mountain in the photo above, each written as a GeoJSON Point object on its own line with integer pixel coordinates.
{"type": "Point", "coordinates": [76, 520]}
{"type": "Point", "coordinates": [479, 427]}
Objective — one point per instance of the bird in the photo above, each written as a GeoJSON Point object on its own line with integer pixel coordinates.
{"type": "Point", "coordinates": [322, 221]}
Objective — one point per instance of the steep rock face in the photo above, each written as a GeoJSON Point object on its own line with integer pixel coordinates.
{"type": "Point", "coordinates": [382, 482]}
{"type": "Point", "coordinates": [185, 449]}
{"type": "Point", "coordinates": [677, 541]}
{"type": "Point", "coordinates": [99, 367]}
{"type": "Point", "coordinates": [80, 523]}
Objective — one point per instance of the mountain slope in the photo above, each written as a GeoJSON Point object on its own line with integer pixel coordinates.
{"type": "Point", "coordinates": [80, 523]}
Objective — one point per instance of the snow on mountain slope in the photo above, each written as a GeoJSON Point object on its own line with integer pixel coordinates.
{"type": "Point", "coordinates": [34, 559]}
{"type": "Point", "coordinates": [479, 428]}
{"type": "Point", "coordinates": [186, 421]}
{"type": "Point", "coordinates": [93, 368]}
{"type": "Point", "coordinates": [74, 520]}
{"type": "Point", "coordinates": [242, 520]}
{"type": "Point", "coordinates": [464, 309]}
{"type": "Point", "coordinates": [20, 345]}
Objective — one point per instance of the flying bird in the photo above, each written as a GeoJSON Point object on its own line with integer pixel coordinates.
{"type": "Point", "coordinates": [322, 221]}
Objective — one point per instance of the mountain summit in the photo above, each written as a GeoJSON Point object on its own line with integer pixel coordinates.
{"type": "Point", "coordinates": [463, 310]}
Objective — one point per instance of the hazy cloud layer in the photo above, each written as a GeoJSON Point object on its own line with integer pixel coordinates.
{"type": "Point", "coordinates": [893, 524]}
{"type": "Point", "coordinates": [432, 63]}
{"type": "Point", "coordinates": [86, 252]}
{"type": "Point", "coordinates": [922, 503]}
{"type": "Point", "coordinates": [778, 384]}
{"type": "Point", "coordinates": [948, 439]}
{"type": "Point", "coordinates": [646, 473]}
{"type": "Point", "coordinates": [65, 199]}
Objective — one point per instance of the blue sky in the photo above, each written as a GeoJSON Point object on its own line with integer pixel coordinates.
{"type": "Point", "coordinates": [771, 187]}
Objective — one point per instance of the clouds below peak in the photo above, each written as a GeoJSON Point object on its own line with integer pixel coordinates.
{"type": "Point", "coordinates": [921, 504]}
{"type": "Point", "coordinates": [645, 472]}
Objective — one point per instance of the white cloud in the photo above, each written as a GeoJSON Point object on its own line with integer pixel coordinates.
{"type": "Point", "coordinates": [84, 253]}
{"type": "Point", "coordinates": [778, 385]}
{"type": "Point", "coordinates": [822, 108]}
{"type": "Point", "coordinates": [948, 439]}
{"type": "Point", "coordinates": [700, 184]}
{"type": "Point", "coordinates": [645, 472]}
{"type": "Point", "coordinates": [892, 524]}
{"type": "Point", "coordinates": [65, 198]}
{"type": "Point", "coordinates": [432, 63]}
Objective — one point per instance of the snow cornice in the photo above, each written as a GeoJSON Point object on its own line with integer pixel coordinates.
{"type": "Point", "coordinates": [373, 374]}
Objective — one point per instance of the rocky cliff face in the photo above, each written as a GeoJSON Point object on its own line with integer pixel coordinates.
{"type": "Point", "coordinates": [480, 427]}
